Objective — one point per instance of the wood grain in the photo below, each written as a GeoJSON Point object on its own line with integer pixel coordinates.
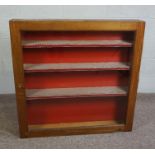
{"type": "Point", "coordinates": [19, 78]}
{"type": "Point", "coordinates": [74, 125]}
{"type": "Point", "coordinates": [77, 131]}
{"type": "Point", "coordinates": [77, 25]}
{"type": "Point", "coordinates": [135, 67]}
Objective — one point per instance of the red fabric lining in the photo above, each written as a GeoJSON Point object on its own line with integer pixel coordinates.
{"type": "Point", "coordinates": [76, 35]}
{"type": "Point", "coordinates": [76, 110]}
{"type": "Point", "coordinates": [75, 55]}
{"type": "Point", "coordinates": [75, 79]}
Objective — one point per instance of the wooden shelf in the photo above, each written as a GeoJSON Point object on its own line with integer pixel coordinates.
{"type": "Point", "coordinates": [75, 92]}
{"type": "Point", "coordinates": [74, 43]}
{"type": "Point", "coordinates": [75, 125]}
{"type": "Point", "coordinates": [61, 67]}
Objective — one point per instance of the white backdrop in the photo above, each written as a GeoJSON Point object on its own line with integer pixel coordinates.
{"type": "Point", "coordinates": [147, 13]}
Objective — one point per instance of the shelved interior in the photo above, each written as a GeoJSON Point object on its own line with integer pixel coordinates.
{"type": "Point", "coordinates": [71, 58]}
{"type": "Point", "coordinates": [76, 39]}
{"type": "Point", "coordinates": [76, 79]}
{"type": "Point", "coordinates": [52, 111]}
{"type": "Point", "coordinates": [76, 76]}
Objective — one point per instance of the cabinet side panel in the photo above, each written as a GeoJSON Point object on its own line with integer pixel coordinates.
{"type": "Point", "coordinates": [19, 78]}
{"type": "Point", "coordinates": [136, 60]}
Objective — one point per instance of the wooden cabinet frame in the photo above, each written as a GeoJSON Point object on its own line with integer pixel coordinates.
{"type": "Point", "coordinates": [16, 26]}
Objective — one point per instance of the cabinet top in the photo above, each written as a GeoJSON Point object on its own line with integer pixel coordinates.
{"type": "Point", "coordinates": [76, 25]}
{"type": "Point", "coordinates": [77, 20]}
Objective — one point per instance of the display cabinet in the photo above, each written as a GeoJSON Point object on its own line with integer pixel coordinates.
{"type": "Point", "coordinates": [75, 77]}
